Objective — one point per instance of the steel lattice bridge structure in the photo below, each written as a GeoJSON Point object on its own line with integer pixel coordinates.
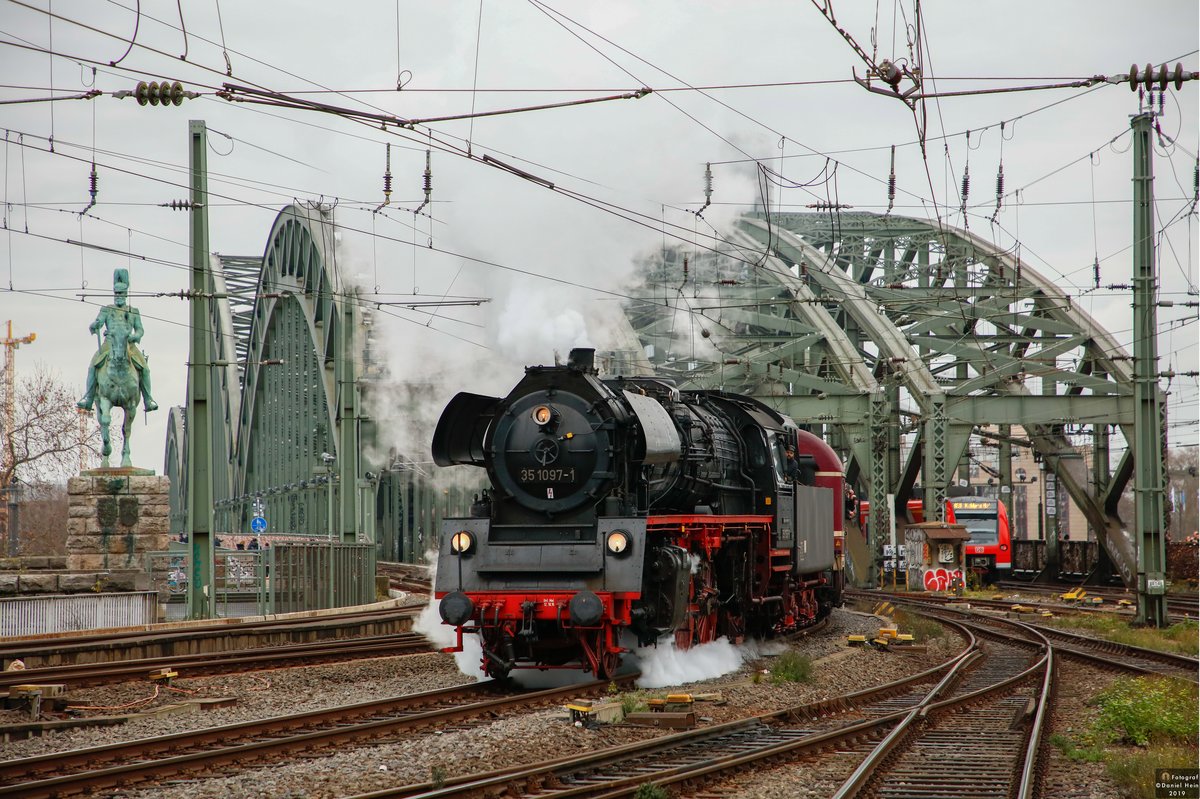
{"type": "Point", "coordinates": [898, 339]}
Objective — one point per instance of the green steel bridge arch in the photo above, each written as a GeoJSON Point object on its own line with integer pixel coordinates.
{"type": "Point", "coordinates": [291, 360]}
{"type": "Point", "coordinates": [867, 327]}
{"type": "Point", "coordinates": [291, 457]}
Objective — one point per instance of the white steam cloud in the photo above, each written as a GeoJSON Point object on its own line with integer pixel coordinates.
{"type": "Point", "coordinates": [665, 665]}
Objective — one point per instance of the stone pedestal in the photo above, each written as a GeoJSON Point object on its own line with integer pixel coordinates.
{"type": "Point", "coordinates": [114, 516]}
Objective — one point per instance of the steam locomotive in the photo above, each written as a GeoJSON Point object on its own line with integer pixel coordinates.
{"type": "Point", "coordinates": [625, 508]}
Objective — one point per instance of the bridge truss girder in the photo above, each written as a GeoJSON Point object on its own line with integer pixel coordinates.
{"type": "Point", "coordinates": [868, 327]}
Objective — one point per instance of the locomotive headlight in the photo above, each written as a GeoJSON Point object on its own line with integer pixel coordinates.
{"type": "Point", "coordinates": [461, 542]}
{"type": "Point", "coordinates": [618, 542]}
{"type": "Point", "coordinates": [542, 414]}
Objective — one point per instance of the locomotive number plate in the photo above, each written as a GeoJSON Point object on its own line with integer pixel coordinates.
{"type": "Point", "coordinates": [546, 475]}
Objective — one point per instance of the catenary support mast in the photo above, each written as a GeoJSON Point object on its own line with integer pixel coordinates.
{"type": "Point", "coordinates": [1148, 420]}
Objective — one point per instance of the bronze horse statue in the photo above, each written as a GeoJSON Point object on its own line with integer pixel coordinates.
{"type": "Point", "coordinates": [117, 385]}
{"type": "Point", "coordinates": [118, 373]}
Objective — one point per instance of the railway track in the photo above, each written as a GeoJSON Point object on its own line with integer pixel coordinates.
{"type": "Point", "coordinates": [410, 577]}
{"type": "Point", "coordinates": [1108, 654]}
{"type": "Point", "coordinates": [208, 637]}
{"type": "Point", "coordinates": [1179, 606]}
{"type": "Point", "coordinates": [225, 748]}
{"type": "Point", "coordinates": [999, 707]}
{"type": "Point", "coordinates": [907, 737]}
{"type": "Point", "coordinates": [225, 662]}
{"type": "Point", "coordinates": [688, 762]}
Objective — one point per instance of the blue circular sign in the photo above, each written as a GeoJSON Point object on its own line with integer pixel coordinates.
{"type": "Point", "coordinates": [258, 524]}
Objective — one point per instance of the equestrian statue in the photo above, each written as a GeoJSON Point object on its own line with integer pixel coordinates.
{"type": "Point", "coordinates": [118, 374]}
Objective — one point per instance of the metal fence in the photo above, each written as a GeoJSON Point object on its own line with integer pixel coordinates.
{"type": "Point", "coordinates": [309, 576]}
{"type": "Point", "coordinates": [282, 578]}
{"type": "Point", "coordinates": [33, 615]}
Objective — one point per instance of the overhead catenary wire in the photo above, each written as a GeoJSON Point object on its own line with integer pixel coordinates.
{"type": "Point", "coordinates": [678, 232]}
{"type": "Point", "coordinates": [789, 156]}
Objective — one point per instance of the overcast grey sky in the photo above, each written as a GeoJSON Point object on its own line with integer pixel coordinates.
{"type": "Point", "coordinates": [645, 155]}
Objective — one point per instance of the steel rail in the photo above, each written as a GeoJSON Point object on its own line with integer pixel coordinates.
{"type": "Point", "coordinates": [223, 662]}
{"type": "Point", "coordinates": [254, 750]}
{"type": "Point", "coordinates": [87, 642]}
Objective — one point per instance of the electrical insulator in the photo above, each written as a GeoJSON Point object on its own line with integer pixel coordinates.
{"type": "Point", "coordinates": [708, 184]}
{"type": "Point", "coordinates": [999, 184]}
{"type": "Point", "coordinates": [93, 183]}
{"type": "Point", "coordinates": [1096, 272]}
{"type": "Point", "coordinates": [165, 93]}
{"type": "Point", "coordinates": [892, 182]}
{"type": "Point", "coordinates": [428, 178]}
{"type": "Point", "coordinates": [1147, 78]}
{"type": "Point", "coordinates": [966, 185]}
{"type": "Point", "coordinates": [387, 177]}
{"type": "Point", "coordinates": [178, 205]}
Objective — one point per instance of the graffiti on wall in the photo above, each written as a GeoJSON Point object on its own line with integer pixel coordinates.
{"type": "Point", "coordinates": [942, 579]}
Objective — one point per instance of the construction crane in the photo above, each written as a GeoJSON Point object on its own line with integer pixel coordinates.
{"type": "Point", "coordinates": [10, 414]}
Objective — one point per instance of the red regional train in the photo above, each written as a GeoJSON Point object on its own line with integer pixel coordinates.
{"type": "Point", "coordinates": [989, 552]}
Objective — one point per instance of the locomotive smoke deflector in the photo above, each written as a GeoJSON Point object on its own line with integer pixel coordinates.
{"type": "Point", "coordinates": [659, 435]}
{"type": "Point", "coordinates": [459, 435]}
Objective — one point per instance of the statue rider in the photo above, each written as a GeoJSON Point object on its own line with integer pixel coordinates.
{"type": "Point", "coordinates": [121, 314]}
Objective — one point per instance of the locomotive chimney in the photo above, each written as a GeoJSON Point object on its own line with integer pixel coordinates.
{"type": "Point", "coordinates": [583, 359]}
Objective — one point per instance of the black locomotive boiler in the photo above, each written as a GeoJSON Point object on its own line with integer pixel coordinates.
{"type": "Point", "coordinates": [625, 504]}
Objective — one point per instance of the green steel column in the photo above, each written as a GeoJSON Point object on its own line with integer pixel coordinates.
{"type": "Point", "coordinates": [894, 465]}
{"type": "Point", "coordinates": [1148, 430]}
{"type": "Point", "coordinates": [201, 592]}
{"type": "Point", "coordinates": [347, 416]}
{"type": "Point", "coordinates": [1006, 486]}
{"type": "Point", "coordinates": [961, 375]}
{"type": "Point", "coordinates": [879, 483]}
{"type": "Point", "coordinates": [1050, 478]}
{"type": "Point", "coordinates": [1101, 471]}
{"type": "Point", "coordinates": [935, 474]}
